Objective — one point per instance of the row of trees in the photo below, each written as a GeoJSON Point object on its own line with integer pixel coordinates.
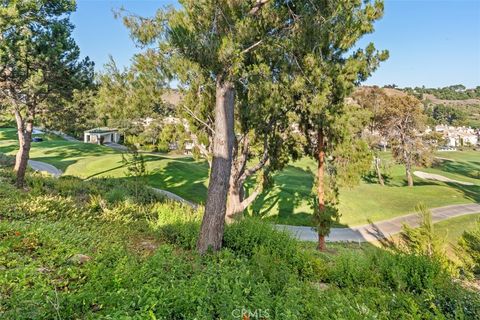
{"type": "Point", "coordinates": [453, 92]}
{"type": "Point", "coordinates": [263, 82]}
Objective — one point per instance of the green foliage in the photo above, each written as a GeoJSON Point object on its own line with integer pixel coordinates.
{"type": "Point", "coordinates": [130, 94]}
{"type": "Point", "coordinates": [442, 114]}
{"type": "Point", "coordinates": [145, 267]}
{"type": "Point", "coordinates": [6, 160]}
{"type": "Point", "coordinates": [469, 245]}
{"type": "Point", "coordinates": [135, 168]}
{"type": "Point", "coordinates": [421, 284]}
{"type": "Point", "coordinates": [39, 51]}
{"type": "Point", "coordinates": [423, 241]}
{"type": "Point", "coordinates": [453, 92]}
{"type": "Point", "coordinates": [75, 115]}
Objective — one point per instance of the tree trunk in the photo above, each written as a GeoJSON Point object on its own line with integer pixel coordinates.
{"type": "Point", "coordinates": [377, 169]}
{"type": "Point", "coordinates": [237, 203]}
{"type": "Point", "coordinates": [321, 185]}
{"type": "Point", "coordinates": [24, 130]}
{"type": "Point", "coordinates": [234, 204]}
{"type": "Point", "coordinates": [211, 231]}
{"type": "Point", "coordinates": [409, 175]}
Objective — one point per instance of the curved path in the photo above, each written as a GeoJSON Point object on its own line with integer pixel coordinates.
{"type": "Point", "coordinates": [44, 167]}
{"type": "Point", "coordinates": [381, 229]}
{"type": "Point", "coordinates": [438, 177]}
{"type": "Point", "coordinates": [368, 232]}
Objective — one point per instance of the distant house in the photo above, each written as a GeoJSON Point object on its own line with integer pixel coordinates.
{"type": "Point", "coordinates": [458, 136]}
{"type": "Point", "coordinates": [101, 135]}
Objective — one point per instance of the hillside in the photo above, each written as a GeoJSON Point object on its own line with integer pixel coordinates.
{"type": "Point", "coordinates": [103, 249]}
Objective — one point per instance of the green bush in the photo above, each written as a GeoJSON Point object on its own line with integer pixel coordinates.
{"type": "Point", "coordinates": [176, 223]}
{"type": "Point", "coordinates": [470, 245]}
{"type": "Point", "coordinates": [6, 160]}
{"type": "Point", "coordinates": [142, 264]}
{"type": "Point", "coordinates": [250, 235]}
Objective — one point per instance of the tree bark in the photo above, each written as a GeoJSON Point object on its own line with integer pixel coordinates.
{"type": "Point", "coordinates": [237, 203]}
{"type": "Point", "coordinates": [377, 169]}
{"type": "Point", "coordinates": [321, 184]}
{"type": "Point", "coordinates": [234, 203]}
{"type": "Point", "coordinates": [211, 231]}
{"type": "Point", "coordinates": [24, 130]}
{"type": "Point", "coordinates": [408, 171]}
{"type": "Point", "coordinates": [408, 167]}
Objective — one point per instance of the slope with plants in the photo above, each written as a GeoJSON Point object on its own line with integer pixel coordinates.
{"type": "Point", "coordinates": [97, 249]}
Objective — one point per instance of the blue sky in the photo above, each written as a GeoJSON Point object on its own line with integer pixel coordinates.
{"type": "Point", "coordinates": [431, 42]}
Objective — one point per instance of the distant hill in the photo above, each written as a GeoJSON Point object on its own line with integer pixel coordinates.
{"type": "Point", "coordinates": [432, 98]}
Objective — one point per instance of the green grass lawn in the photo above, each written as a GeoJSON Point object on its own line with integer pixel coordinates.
{"type": "Point", "coordinates": [287, 201]}
{"type": "Point", "coordinates": [452, 229]}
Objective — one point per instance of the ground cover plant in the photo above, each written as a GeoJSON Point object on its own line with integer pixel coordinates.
{"type": "Point", "coordinates": [97, 249]}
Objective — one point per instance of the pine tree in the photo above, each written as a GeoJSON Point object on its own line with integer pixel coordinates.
{"type": "Point", "coordinates": [39, 64]}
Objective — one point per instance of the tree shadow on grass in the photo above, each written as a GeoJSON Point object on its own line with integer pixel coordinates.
{"type": "Point", "coordinates": [469, 169]}
{"type": "Point", "coordinates": [469, 192]}
{"type": "Point", "coordinates": [292, 188]}
{"type": "Point", "coordinates": [186, 178]}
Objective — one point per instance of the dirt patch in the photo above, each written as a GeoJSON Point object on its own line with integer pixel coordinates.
{"type": "Point", "coordinates": [144, 246]}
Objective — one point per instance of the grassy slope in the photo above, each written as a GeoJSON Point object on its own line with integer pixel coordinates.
{"type": "Point", "coordinates": [452, 229]}
{"type": "Point", "coordinates": [287, 201]}
{"type": "Point", "coordinates": [139, 269]}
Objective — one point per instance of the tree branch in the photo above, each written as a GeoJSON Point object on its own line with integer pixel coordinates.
{"type": "Point", "coordinates": [257, 6]}
{"type": "Point", "coordinates": [198, 119]}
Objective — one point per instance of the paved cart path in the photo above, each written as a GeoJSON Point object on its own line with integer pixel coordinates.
{"type": "Point", "coordinates": [381, 229]}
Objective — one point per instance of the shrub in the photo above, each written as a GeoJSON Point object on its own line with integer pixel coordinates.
{"type": "Point", "coordinates": [469, 243]}
{"type": "Point", "coordinates": [177, 223]}
{"type": "Point", "coordinates": [6, 160]}
{"type": "Point", "coordinates": [250, 236]}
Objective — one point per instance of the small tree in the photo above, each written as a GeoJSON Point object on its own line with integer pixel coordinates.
{"type": "Point", "coordinates": [135, 168]}
{"type": "Point", "coordinates": [423, 240]}
{"type": "Point", "coordinates": [402, 121]}
{"type": "Point", "coordinates": [372, 99]}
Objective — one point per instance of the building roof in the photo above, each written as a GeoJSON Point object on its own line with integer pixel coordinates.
{"type": "Point", "coordinates": [101, 130]}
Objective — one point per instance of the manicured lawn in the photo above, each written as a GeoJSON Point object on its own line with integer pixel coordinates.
{"type": "Point", "coordinates": [180, 175]}
{"type": "Point", "coordinates": [287, 202]}
{"type": "Point", "coordinates": [452, 229]}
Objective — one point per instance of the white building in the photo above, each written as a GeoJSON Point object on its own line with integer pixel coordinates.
{"type": "Point", "coordinates": [458, 136]}
{"type": "Point", "coordinates": [101, 135]}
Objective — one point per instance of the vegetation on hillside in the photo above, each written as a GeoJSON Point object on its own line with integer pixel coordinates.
{"type": "Point", "coordinates": [453, 92]}
{"type": "Point", "coordinates": [73, 249]}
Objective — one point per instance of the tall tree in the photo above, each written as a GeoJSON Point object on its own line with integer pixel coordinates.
{"type": "Point", "coordinates": [325, 73]}
{"type": "Point", "coordinates": [216, 38]}
{"type": "Point", "coordinates": [402, 120]}
{"type": "Point", "coordinates": [39, 64]}
{"type": "Point", "coordinates": [221, 40]}
{"type": "Point", "coordinates": [372, 99]}
{"type": "Point", "coordinates": [266, 135]}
